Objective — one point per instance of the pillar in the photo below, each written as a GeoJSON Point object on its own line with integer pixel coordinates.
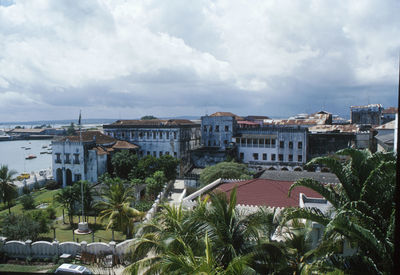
{"type": "Point", "coordinates": [64, 175]}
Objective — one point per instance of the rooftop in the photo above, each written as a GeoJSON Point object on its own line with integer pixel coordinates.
{"type": "Point", "coordinates": [89, 136]}
{"type": "Point", "coordinates": [293, 176]}
{"type": "Point", "coordinates": [390, 110]}
{"type": "Point", "coordinates": [391, 125]}
{"type": "Point", "coordinates": [264, 192]}
{"type": "Point", "coordinates": [227, 114]}
{"type": "Point", "coordinates": [120, 144]}
{"type": "Point", "coordinates": [347, 128]}
{"type": "Point", "coordinates": [151, 122]}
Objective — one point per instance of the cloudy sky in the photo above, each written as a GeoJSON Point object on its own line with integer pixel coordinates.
{"type": "Point", "coordinates": [125, 59]}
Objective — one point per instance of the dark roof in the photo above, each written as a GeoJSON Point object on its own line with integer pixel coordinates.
{"type": "Point", "coordinates": [150, 122]}
{"type": "Point", "coordinates": [89, 136]}
{"type": "Point", "coordinates": [263, 192]}
{"type": "Point", "coordinates": [256, 117]}
{"type": "Point", "coordinates": [227, 114]}
{"type": "Point", "coordinates": [293, 176]}
{"type": "Point", "coordinates": [386, 138]}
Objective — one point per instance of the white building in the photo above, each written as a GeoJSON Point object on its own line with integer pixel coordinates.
{"type": "Point", "coordinates": [282, 148]}
{"type": "Point", "coordinates": [83, 157]}
{"type": "Point", "coordinates": [175, 137]}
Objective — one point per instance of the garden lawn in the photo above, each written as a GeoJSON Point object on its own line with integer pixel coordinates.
{"type": "Point", "coordinates": [4, 268]}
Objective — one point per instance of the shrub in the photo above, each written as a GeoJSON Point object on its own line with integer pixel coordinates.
{"type": "Point", "coordinates": [26, 190]}
{"type": "Point", "coordinates": [51, 212]}
{"type": "Point", "coordinates": [36, 185]}
{"type": "Point", "coordinates": [144, 205]}
{"type": "Point", "coordinates": [20, 227]}
{"type": "Point", "coordinates": [27, 202]}
{"type": "Point", "coordinates": [52, 185]}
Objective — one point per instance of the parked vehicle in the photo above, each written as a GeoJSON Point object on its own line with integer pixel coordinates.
{"type": "Point", "coordinates": [72, 269]}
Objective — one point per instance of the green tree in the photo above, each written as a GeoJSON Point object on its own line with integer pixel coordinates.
{"type": "Point", "coordinates": [115, 207]}
{"type": "Point", "coordinates": [363, 207]}
{"type": "Point", "coordinates": [71, 130]}
{"type": "Point", "coordinates": [8, 191]}
{"type": "Point", "coordinates": [226, 170]}
{"type": "Point", "coordinates": [67, 197]}
{"type": "Point", "coordinates": [168, 164]}
{"type": "Point", "coordinates": [148, 117]}
{"type": "Point", "coordinates": [27, 202]}
{"type": "Point", "coordinates": [155, 183]}
{"type": "Point", "coordinates": [20, 227]}
{"type": "Point", "coordinates": [123, 162]}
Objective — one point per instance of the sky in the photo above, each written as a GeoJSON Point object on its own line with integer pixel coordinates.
{"type": "Point", "coordinates": [126, 59]}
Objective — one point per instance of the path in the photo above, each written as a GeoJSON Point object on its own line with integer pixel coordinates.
{"type": "Point", "coordinates": [176, 192]}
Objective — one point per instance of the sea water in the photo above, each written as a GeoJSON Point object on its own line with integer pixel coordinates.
{"type": "Point", "coordinates": [13, 155]}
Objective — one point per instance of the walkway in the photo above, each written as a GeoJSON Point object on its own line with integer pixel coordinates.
{"type": "Point", "coordinates": [176, 192]}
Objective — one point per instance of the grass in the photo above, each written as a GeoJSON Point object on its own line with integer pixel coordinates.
{"type": "Point", "coordinates": [26, 268]}
{"type": "Point", "coordinates": [64, 231]}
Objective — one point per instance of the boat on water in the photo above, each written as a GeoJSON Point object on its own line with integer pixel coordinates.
{"type": "Point", "coordinates": [27, 148]}
{"type": "Point", "coordinates": [23, 147]}
{"type": "Point", "coordinates": [44, 146]}
{"type": "Point", "coordinates": [43, 152]}
{"type": "Point", "coordinates": [31, 157]}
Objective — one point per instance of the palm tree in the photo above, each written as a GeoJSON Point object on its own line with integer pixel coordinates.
{"type": "Point", "coordinates": [8, 191]}
{"type": "Point", "coordinates": [67, 197]}
{"type": "Point", "coordinates": [212, 236]}
{"type": "Point", "coordinates": [115, 207]}
{"type": "Point", "coordinates": [362, 202]}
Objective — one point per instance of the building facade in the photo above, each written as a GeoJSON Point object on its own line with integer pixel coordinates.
{"type": "Point", "coordinates": [82, 157]}
{"type": "Point", "coordinates": [368, 114]}
{"type": "Point", "coordinates": [175, 137]}
{"type": "Point", "coordinates": [218, 129]}
{"type": "Point", "coordinates": [278, 148]}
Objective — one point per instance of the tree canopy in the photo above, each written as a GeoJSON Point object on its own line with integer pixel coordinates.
{"type": "Point", "coordinates": [148, 117]}
{"type": "Point", "coordinates": [123, 162]}
{"type": "Point", "coordinates": [227, 170]}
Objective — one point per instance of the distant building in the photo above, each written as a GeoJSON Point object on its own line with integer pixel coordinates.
{"type": "Point", "coordinates": [84, 157]}
{"type": "Point", "coordinates": [217, 129]}
{"type": "Point", "coordinates": [369, 114]}
{"type": "Point", "coordinates": [283, 148]}
{"type": "Point", "coordinates": [175, 137]}
{"type": "Point", "coordinates": [385, 137]}
{"type": "Point", "coordinates": [389, 114]}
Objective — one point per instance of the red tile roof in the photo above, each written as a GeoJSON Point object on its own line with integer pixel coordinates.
{"type": "Point", "coordinates": [120, 144]}
{"type": "Point", "coordinates": [264, 192]}
{"type": "Point", "coordinates": [151, 122]}
{"type": "Point", "coordinates": [390, 110]}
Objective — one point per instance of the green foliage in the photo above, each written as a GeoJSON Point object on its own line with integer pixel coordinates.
{"type": "Point", "coordinates": [42, 218]}
{"type": "Point", "coordinates": [148, 117]}
{"type": "Point", "coordinates": [67, 197]}
{"type": "Point", "coordinates": [52, 185]}
{"type": "Point", "coordinates": [71, 130]}
{"type": "Point", "coordinates": [8, 192]}
{"type": "Point", "coordinates": [148, 165]}
{"type": "Point", "coordinates": [155, 184]}
{"type": "Point", "coordinates": [26, 190]}
{"type": "Point", "coordinates": [137, 182]}
{"type": "Point", "coordinates": [27, 202]}
{"type": "Point", "coordinates": [225, 170]}
{"type": "Point", "coordinates": [363, 206]}
{"type": "Point", "coordinates": [123, 163]}
{"type": "Point", "coordinates": [143, 205]}
{"type": "Point", "coordinates": [21, 227]}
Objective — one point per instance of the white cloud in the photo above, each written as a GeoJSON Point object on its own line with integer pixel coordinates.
{"type": "Point", "coordinates": [105, 53]}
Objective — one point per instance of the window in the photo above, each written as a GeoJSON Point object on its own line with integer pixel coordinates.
{"type": "Point", "coordinates": [154, 154]}
{"type": "Point", "coordinates": [58, 159]}
{"type": "Point", "coordinates": [210, 129]}
{"type": "Point", "coordinates": [167, 135]}
{"type": "Point", "coordinates": [140, 135]}
{"type": "Point", "coordinates": [255, 156]}
{"type": "Point", "coordinates": [76, 158]}
{"type": "Point", "coordinates": [225, 142]}
{"type": "Point", "coordinates": [273, 143]}
{"type": "Point", "coordinates": [291, 144]}
{"type": "Point", "coordinates": [67, 159]}
{"type": "Point", "coordinates": [154, 135]}
{"type": "Point", "coordinates": [226, 128]}
{"type": "Point", "coordinates": [299, 158]}
{"type": "Point", "coordinates": [209, 143]}
{"type": "Point", "coordinates": [237, 140]}
{"type": "Point", "coordinates": [148, 153]}
{"type": "Point", "coordinates": [167, 153]}
{"type": "Point", "coordinates": [281, 144]}
{"type": "Point", "coordinates": [174, 135]}
{"type": "Point", "coordinates": [300, 145]}
{"type": "Point", "coordinates": [216, 128]}
{"type": "Point", "coordinates": [205, 128]}
{"type": "Point", "coordinates": [123, 134]}
{"type": "Point", "coordinates": [161, 153]}
{"type": "Point", "coordinates": [77, 177]}
{"type": "Point", "coordinates": [175, 154]}
{"type": "Point", "coordinates": [273, 157]}
{"type": "Point", "coordinates": [160, 135]}
{"type": "Point", "coordinates": [261, 142]}
{"type": "Point", "coordinates": [241, 155]}
{"type": "Point", "coordinates": [280, 157]}
{"type": "Point", "coordinates": [148, 134]}
{"type": "Point", "coordinates": [290, 157]}
{"type": "Point", "coordinates": [264, 156]}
